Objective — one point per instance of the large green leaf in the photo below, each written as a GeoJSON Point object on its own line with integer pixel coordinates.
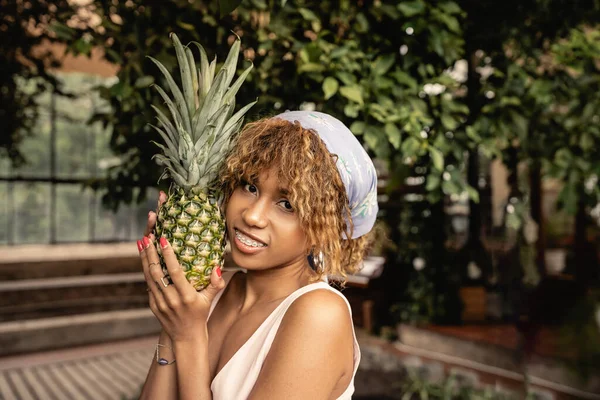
{"type": "Point", "coordinates": [308, 14]}
{"type": "Point", "coordinates": [358, 127]}
{"type": "Point", "coordinates": [330, 87]}
{"type": "Point", "coordinates": [410, 147]}
{"type": "Point", "coordinates": [411, 8]}
{"type": "Point", "coordinates": [383, 64]}
{"type": "Point", "coordinates": [353, 93]}
{"type": "Point", "coordinates": [394, 134]}
{"type": "Point", "coordinates": [437, 158]}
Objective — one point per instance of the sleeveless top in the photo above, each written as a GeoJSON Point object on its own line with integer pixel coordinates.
{"type": "Point", "coordinates": [238, 376]}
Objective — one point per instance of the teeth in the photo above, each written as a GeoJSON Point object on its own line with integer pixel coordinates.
{"type": "Point", "coordinates": [247, 241]}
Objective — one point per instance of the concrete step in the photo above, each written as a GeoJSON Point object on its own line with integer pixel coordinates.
{"type": "Point", "coordinates": [40, 298]}
{"type": "Point", "coordinates": [18, 337]}
{"type": "Point", "coordinates": [56, 261]}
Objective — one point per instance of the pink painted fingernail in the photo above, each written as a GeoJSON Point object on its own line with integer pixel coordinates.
{"type": "Point", "coordinates": [219, 271]}
{"type": "Point", "coordinates": [149, 214]}
{"type": "Point", "coordinates": [146, 242]}
{"type": "Point", "coordinates": [163, 242]}
{"type": "Point", "coordinates": [139, 245]}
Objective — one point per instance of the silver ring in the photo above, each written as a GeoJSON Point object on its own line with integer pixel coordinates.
{"type": "Point", "coordinates": [162, 280]}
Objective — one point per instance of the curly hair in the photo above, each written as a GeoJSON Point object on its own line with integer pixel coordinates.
{"type": "Point", "coordinates": [316, 190]}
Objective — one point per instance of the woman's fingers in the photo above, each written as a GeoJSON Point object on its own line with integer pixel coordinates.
{"type": "Point", "coordinates": [152, 271]}
{"type": "Point", "coordinates": [151, 222]}
{"type": "Point", "coordinates": [166, 284]}
{"type": "Point", "coordinates": [162, 197]}
{"type": "Point", "coordinates": [215, 286]}
{"type": "Point", "coordinates": [175, 272]}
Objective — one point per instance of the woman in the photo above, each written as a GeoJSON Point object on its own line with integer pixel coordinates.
{"type": "Point", "coordinates": [300, 196]}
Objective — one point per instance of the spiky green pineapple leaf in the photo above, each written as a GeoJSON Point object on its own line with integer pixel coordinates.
{"type": "Point", "coordinates": [232, 91]}
{"type": "Point", "coordinates": [170, 145]}
{"type": "Point", "coordinates": [225, 122]}
{"type": "Point", "coordinates": [215, 121]}
{"type": "Point", "coordinates": [186, 149]}
{"type": "Point", "coordinates": [193, 73]}
{"type": "Point", "coordinates": [186, 76]}
{"type": "Point", "coordinates": [179, 99]}
{"type": "Point", "coordinates": [213, 66]}
{"type": "Point", "coordinates": [199, 133]}
{"type": "Point", "coordinates": [208, 108]}
{"type": "Point", "coordinates": [230, 64]}
{"type": "Point", "coordinates": [206, 80]}
{"type": "Point", "coordinates": [174, 113]}
{"type": "Point", "coordinates": [170, 165]}
{"type": "Point", "coordinates": [167, 125]}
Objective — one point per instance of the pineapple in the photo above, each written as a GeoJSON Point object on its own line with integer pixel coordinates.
{"type": "Point", "coordinates": [197, 137]}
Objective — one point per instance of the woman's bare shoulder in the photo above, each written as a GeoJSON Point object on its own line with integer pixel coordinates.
{"type": "Point", "coordinates": [312, 349]}
{"type": "Point", "coordinates": [322, 308]}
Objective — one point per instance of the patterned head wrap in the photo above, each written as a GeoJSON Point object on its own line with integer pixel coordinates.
{"type": "Point", "coordinates": [354, 165]}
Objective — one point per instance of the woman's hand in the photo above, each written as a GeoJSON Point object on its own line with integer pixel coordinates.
{"type": "Point", "coordinates": [152, 215]}
{"type": "Point", "coordinates": [181, 310]}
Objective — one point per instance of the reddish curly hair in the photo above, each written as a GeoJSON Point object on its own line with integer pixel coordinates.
{"type": "Point", "coordinates": [316, 190]}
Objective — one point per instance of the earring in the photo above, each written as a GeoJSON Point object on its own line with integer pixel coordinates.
{"type": "Point", "coordinates": [319, 262]}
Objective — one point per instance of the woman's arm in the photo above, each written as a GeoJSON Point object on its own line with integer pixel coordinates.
{"type": "Point", "coordinates": [192, 364]}
{"type": "Point", "coordinates": [183, 314]}
{"type": "Point", "coordinates": [312, 351]}
{"type": "Point", "coordinates": [161, 382]}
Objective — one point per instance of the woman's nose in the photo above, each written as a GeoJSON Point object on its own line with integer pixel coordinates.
{"type": "Point", "coordinates": [256, 214]}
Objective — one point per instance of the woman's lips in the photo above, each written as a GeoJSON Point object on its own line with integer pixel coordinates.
{"type": "Point", "coordinates": [245, 243]}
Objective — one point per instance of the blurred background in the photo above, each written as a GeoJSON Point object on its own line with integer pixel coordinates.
{"type": "Point", "coordinates": [484, 121]}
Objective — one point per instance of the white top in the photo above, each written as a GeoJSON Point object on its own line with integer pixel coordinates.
{"type": "Point", "coordinates": [237, 378]}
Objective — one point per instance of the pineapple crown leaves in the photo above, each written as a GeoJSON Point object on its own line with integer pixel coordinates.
{"type": "Point", "coordinates": [199, 131]}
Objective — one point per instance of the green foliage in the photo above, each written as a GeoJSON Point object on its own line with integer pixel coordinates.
{"type": "Point", "coordinates": [383, 69]}
{"type": "Point", "coordinates": [416, 388]}
{"type": "Point", "coordinates": [23, 28]}
{"type": "Point", "coordinates": [421, 304]}
{"type": "Point", "coordinates": [545, 105]}
{"type": "Point", "coordinates": [386, 74]}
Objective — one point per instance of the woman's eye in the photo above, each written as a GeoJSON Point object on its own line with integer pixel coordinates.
{"type": "Point", "coordinates": [286, 205]}
{"type": "Point", "coordinates": [250, 188]}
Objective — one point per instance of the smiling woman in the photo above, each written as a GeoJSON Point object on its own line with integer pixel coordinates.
{"type": "Point", "coordinates": [299, 199]}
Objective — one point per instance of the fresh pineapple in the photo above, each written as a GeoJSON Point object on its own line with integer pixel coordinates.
{"type": "Point", "coordinates": [197, 137]}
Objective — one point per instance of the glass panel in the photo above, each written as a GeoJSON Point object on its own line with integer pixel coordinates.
{"type": "Point", "coordinates": [140, 213]}
{"type": "Point", "coordinates": [72, 213]}
{"type": "Point", "coordinates": [5, 167]}
{"type": "Point", "coordinates": [73, 140]}
{"type": "Point", "coordinates": [31, 212]}
{"type": "Point", "coordinates": [103, 157]}
{"type": "Point", "coordinates": [111, 226]}
{"type": "Point", "coordinates": [36, 148]}
{"type": "Point", "coordinates": [4, 204]}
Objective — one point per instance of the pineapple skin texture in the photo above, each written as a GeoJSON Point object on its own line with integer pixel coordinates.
{"type": "Point", "coordinates": [192, 223]}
